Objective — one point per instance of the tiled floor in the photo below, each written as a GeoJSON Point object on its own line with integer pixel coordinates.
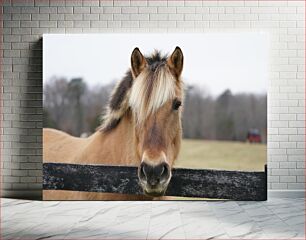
{"type": "Point", "coordinates": [274, 219]}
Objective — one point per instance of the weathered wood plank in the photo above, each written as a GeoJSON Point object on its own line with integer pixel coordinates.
{"type": "Point", "coordinates": [235, 185]}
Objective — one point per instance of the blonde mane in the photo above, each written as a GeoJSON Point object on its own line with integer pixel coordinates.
{"type": "Point", "coordinates": [150, 91]}
{"type": "Point", "coordinates": [154, 86]}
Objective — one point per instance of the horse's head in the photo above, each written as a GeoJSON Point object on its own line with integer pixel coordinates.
{"type": "Point", "coordinates": [150, 95]}
{"type": "Point", "coordinates": [155, 101]}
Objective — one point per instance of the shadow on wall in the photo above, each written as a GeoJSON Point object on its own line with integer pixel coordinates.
{"type": "Point", "coordinates": [31, 120]}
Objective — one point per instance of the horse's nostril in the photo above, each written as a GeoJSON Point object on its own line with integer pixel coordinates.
{"type": "Point", "coordinates": [142, 173]}
{"type": "Point", "coordinates": [154, 174]}
{"type": "Point", "coordinates": [165, 172]}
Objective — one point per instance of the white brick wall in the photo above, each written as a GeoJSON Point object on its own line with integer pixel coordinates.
{"type": "Point", "coordinates": [24, 22]}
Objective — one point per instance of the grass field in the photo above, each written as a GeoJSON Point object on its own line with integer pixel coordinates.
{"type": "Point", "coordinates": [223, 155]}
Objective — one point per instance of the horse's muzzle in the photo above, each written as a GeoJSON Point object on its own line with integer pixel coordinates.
{"type": "Point", "coordinates": [154, 179]}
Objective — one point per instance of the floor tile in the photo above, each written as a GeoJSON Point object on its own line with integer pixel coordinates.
{"type": "Point", "coordinates": [273, 219]}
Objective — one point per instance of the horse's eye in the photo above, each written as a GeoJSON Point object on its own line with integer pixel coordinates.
{"type": "Point", "coordinates": [176, 104]}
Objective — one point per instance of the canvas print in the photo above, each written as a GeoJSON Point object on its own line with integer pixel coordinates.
{"type": "Point", "coordinates": [155, 116]}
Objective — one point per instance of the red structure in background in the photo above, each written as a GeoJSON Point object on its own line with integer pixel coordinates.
{"type": "Point", "coordinates": [254, 136]}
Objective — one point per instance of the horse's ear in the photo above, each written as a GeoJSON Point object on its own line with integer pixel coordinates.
{"type": "Point", "coordinates": [138, 62]}
{"type": "Point", "coordinates": [175, 62]}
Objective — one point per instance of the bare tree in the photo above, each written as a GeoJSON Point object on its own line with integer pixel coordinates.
{"type": "Point", "coordinates": [75, 108]}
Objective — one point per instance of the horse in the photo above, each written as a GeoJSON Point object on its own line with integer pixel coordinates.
{"type": "Point", "coordinates": [140, 127]}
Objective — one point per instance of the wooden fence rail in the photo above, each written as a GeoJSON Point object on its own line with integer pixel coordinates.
{"type": "Point", "coordinates": [200, 183]}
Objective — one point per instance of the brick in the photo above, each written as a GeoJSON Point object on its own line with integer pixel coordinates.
{"type": "Point", "coordinates": [11, 24]}
{"type": "Point", "coordinates": [42, 3]}
{"type": "Point", "coordinates": [242, 10]}
{"type": "Point", "coordinates": [166, 10]}
{"type": "Point", "coordinates": [11, 9]}
{"type": "Point", "coordinates": [111, 10]}
{"type": "Point", "coordinates": [121, 17]}
{"type": "Point", "coordinates": [49, 10]}
{"type": "Point", "coordinates": [113, 24]}
{"type": "Point", "coordinates": [105, 17]}
{"type": "Point", "coordinates": [296, 158]}
{"type": "Point", "coordinates": [195, 3]}
{"type": "Point", "coordinates": [57, 17]}
{"type": "Point", "coordinates": [11, 53]}
{"type": "Point", "coordinates": [81, 9]}
{"type": "Point", "coordinates": [36, 173]}
{"type": "Point", "coordinates": [147, 9]}
{"type": "Point", "coordinates": [265, 24]}
{"type": "Point", "coordinates": [202, 10]}
{"type": "Point", "coordinates": [10, 179]}
{"type": "Point", "coordinates": [297, 152]}
{"type": "Point", "coordinates": [21, 31]}
{"type": "Point", "coordinates": [167, 24]}
{"type": "Point", "coordinates": [121, 3]}
{"type": "Point", "coordinates": [297, 123]}
{"type": "Point", "coordinates": [27, 179]}
{"type": "Point", "coordinates": [288, 24]}
{"type": "Point", "coordinates": [287, 145]}
{"type": "Point", "coordinates": [82, 24]}
{"type": "Point", "coordinates": [296, 172]}
{"type": "Point", "coordinates": [273, 179]}
{"type": "Point", "coordinates": [186, 9]}
{"type": "Point", "coordinates": [288, 116]}
{"type": "Point", "coordinates": [277, 186]}
{"type": "Point", "coordinates": [300, 165]}
{"type": "Point", "coordinates": [26, 3]}
{"type": "Point", "coordinates": [46, 24]}
{"type": "Point", "coordinates": [29, 10]}
{"type": "Point", "coordinates": [148, 24]}
{"type": "Point", "coordinates": [287, 131]}
{"type": "Point", "coordinates": [65, 24]}
{"type": "Point", "coordinates": [139, 17]}
{"type": "Point", "coordinates": [98, 24]}
{"type": "Point", "coordinates": [296, 186]}
{"type": "Point", "coordinates": [20, 46]}
{"type": "Point", "coordinates": [161, 17]}
{"type": "Point", "coordinates": [264, 10]}
{"type": "Point", "coordinates": [288, 179]}
{"type": "Point", "coordinates": [130, 24]}
{"type": "Point", "coordinates": [75, 16]}
{"type": "Point", "coordinates": [6, 31]}
{"type": "Point", "coordinates": [91, 16]}
{"type": "Point", "coordinates": [287, 165]}
{"type": "Point", "coordinates": [57, 3]}
{"type": "Point", "coordinates": [197, 17]}
{"type": "Point", "coordinates": [130, 3]}
{"type": "Point", "coordinates": [300, 179]}
{"type": "Point", "coordinates": [74, 3]}
{"type": "Point", "coordinates": [185, 24]}
{"type": "Point", "coordinates": [19, 173]}
{"type": "Point", "coordinates": [157, 3]}
{"type": "Point", "coordinates": [21, 17]}
{"type": "Point", "coordinates": [62, 10]}
{"type": "Point", "coordinates": [91, 3]}
{"type": "Point", "coordinates": [29, 24]}
{"type": "Point", "coordinates": [96, 10]}
{"type": "Point", "coordinates": [41, 16]}
{"type": "Point", "coordinates": [230, 17]}
{"type": "Point", "coordinates": [129, 10]}
{"type": "Point", "coordinates": [230, 3]}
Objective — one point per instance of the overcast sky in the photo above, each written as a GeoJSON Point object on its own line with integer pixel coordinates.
{"type": "Point", "coordinates": [216, 61]}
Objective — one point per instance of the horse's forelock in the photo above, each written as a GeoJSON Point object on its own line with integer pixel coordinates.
{"type": "Point", "coordinates": [152, 88]}
{"type": "Point", "coordinates": [150, 91]}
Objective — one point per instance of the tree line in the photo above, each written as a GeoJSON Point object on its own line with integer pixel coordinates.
{"type": "Point", "coordinates": [73, 107]}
